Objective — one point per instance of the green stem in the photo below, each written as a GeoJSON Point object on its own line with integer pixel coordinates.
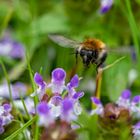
{"type": "Point", "coordinates": [98, 83]}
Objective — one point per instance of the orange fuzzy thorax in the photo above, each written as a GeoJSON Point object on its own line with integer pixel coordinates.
{"type": "Point", "coordinates": [93, 44]}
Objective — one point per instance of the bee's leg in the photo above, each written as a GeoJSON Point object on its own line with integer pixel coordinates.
{"type": "Point", "coordinates": [97, 69]}
{"type": "Point", "coordinates": [85, 61]}
{"type": "Point", "coordinates": [76, 56]}
{"type": "Point", "coordinates": [93, 60]}
{"type": "Point", "coordinates": [99, 66]}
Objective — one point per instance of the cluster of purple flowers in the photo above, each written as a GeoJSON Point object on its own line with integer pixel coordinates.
{"type": "Point", "coordinates": [123, 103]}
{"type": "Point", "coordinates": [64, 101]}
{"type": "Point", "coordinates": [5, 116]}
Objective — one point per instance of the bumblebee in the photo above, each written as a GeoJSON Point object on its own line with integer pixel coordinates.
{"type": "Point", "coordinates": [92, 51]}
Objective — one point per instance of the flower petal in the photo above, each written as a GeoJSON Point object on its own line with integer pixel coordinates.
{"type": "Point", "coordinates": [74, 81]}
{"type": "Point", "coordinates": [126, 94]}
{"type": "Point", "coordinates": [56, 100]}
{"type": "Point", "coordinates": [7, 107]}
{"type": "Point", "coordinates": [105, 6]}
{"type": "Point", "coordinates": [96, 101]}
{"type": "Point", "coordinates": [136, 99]}
{"type": "Point", "coordinates": [78, 95]}
{"type": "Point", "coordinates": [43, 108]}
{"type": "Point", "coordinates": [39, 80]}
{"type": "Point", "coordinates": [67, 105]}
{"type": "Point", "coordinates": [58, 75]}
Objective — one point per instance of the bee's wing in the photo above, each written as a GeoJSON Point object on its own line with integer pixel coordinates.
{"type": "Point", "coordinates": [122, 50]}
{"type": "Point", "coordinates": [63, 41]}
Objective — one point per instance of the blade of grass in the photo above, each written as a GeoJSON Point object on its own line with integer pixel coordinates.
{"type": "Point", "coordinates": [25, 107]}
{"type": "Point", "coordinates": [8, 82]}
{"type": "Point", "coordinates": [133, 24]}
{"type": "Point", "coordinates": [21, 129]}
{"type": "Point", "coordinates": [127, 10]}
{"type": "Point", "coordinates": [36, 133]}
{"type": "Point", "coordinates": [21, 123]}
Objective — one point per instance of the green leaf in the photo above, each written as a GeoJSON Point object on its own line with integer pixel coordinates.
{"type": "Point", "coordinates": [52, 22]}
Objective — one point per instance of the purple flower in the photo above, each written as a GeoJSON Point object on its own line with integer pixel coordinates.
{"type": "Point", "coordinates": [124, 99]}
{"type": "Point", "coordinates": [134, 106]}
{"type": "Point", "coordinates": [45, 115]}
{"type": "Point", "coordinates": [136, 99]}
{"type": "Point", "coordinates": [105, 6]}
{"type": "Point", "coordinates": [67, 113]}
{"type": "Point", "coordinates": [136, 130]}
{"type": "Point", "coordinates": [74, 82]}
{"type": "Point", "coordinates": [126, 94]}
{"type": "Point", "coordinates": [11, 48]}
{"type": "Point", "coordinates": [99, 107]}
{"type": "Point", "coordinates": [58, 80]}
{"type": "Point", "coordinates": [41, 84]}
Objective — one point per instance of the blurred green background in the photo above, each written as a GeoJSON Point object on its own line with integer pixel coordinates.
{"type": "Point", "coordinates": [30, 22]}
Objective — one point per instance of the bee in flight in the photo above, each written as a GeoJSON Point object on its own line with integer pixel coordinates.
{"type": "Point", "coordinates": [92, 51]}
